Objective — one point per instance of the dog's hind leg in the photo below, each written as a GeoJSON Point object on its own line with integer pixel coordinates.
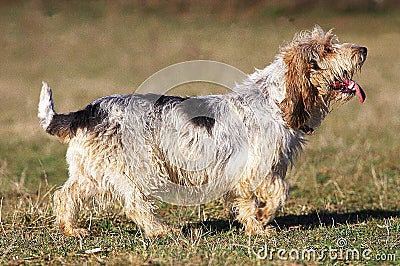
{"type": "Point", "coordinates": [80, 189]}
{"type": "Point", "coordinates": [69, 199]}
{"type": "Point", "coordinates": [141, 210]}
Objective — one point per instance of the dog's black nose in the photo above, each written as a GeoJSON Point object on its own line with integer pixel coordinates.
{"type": "Point", "coordinates": [363, 50]}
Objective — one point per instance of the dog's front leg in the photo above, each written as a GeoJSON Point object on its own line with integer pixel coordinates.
{"type": "Point", "coordinates": [255, 209]}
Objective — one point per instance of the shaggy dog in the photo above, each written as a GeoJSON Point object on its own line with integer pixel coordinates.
{"type": "Point", "coordinates": [135, 148]}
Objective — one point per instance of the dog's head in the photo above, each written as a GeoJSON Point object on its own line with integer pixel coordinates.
{"type": "Point", "coordinates": [319, 76]}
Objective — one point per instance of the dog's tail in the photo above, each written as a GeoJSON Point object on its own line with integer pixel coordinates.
{"type": "Point", "coordinates": [65, 126]}
{"type": "Point", "coordinates": [46, 106]}
{"type": "Point", "coordinates": [50, 121]}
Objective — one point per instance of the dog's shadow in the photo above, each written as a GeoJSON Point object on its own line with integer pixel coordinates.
{"type": "Point", "coordinates": [305, 222]}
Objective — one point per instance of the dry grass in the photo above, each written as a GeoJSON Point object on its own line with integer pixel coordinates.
{"type": "Point", "coordinates": [345, 185]}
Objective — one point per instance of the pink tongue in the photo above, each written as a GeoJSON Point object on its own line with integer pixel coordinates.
{"type": "Point", "coordinates": [360, 93]}
{"type": "Point", "coordinates": [351, 84]}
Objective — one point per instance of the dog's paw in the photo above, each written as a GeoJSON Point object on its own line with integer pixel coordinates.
{"type": "Point", "coordinates": [160, 230]}
{"type": "Point", "coordinates": [74, 232]}
{"type": "Point", "coordinates": [257, 228]}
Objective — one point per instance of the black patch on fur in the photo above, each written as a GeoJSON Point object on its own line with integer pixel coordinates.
{"type": "Point", "coordinates": [204, 121]}
{"type": "Point", "coordinates": [67, 124]}
{"type": "Point", "coordinates": [195, 109]}
{"type": "Point", "coordinates": [199, 113]}
{"type": "Point", "coordinates": [164, 100]}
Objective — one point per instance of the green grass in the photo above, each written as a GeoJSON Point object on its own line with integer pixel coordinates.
{"type": "Point", "coordinates": [344, 187]}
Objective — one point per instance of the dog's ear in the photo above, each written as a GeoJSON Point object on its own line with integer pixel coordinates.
{"type": "Point", "coordinates": [300, 93]}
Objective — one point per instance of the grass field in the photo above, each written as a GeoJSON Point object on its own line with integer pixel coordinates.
{"type": "Point", "coordinates": [344, 188]}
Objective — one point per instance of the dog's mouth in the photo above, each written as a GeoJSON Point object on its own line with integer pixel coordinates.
{"type": "Point", "coordinates": [349, 86]}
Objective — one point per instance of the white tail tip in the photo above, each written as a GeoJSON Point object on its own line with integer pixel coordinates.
{"type": "Point", "coordinates": [46, 107]}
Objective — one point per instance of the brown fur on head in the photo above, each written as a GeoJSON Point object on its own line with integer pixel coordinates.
{"type": "Point", "coordinates": [318, 76]}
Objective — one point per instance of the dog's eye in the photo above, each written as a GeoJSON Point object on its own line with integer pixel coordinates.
{"type": "Point", "coordinates": [314, 65]}
{"type": "Point", "coordinates": [329, 49]}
